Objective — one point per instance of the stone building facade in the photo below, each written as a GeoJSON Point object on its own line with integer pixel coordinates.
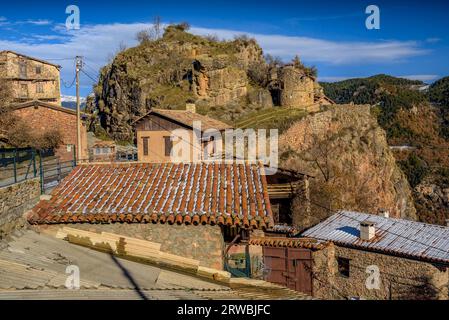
{"type": "Point", "coordinates": [15, 200]}
{"type": "Point", "coordinates": [30, 78]}
{"type": "Point", "coordinates": [297, 87]}
{"type": "Point", "coordinates": [41, 117]}
{"type": "Point", "coordinates": [203, 243]}
{"type": "Point", "coordinates": [399, 278]}
{"type": "Point", "coordinates": [377, 257]}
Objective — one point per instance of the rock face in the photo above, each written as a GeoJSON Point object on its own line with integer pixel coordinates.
{"type": "Point", "coordinates": [222, 77]}
{"type": "Point", "coordinates": [353, 168]}
{"type": "Point", "coordinates": [432, 198]}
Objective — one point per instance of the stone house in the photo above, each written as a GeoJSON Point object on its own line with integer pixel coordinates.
{"type": "Point", "coordinates": [377, 257]}
{"type": "Point", "coordinates": [102, 151]}
{"type": "Point", "coordinates": [156, 138]}
{"type": "Point", "coordinates": [43, 116]}
{"type": "Point", "coordinates": [193, 209]}
{"type": "Point", "coordinates": [30, 78]}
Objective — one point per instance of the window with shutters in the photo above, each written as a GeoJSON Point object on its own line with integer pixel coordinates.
{"type": "Point", "coordinates": [146, 147]}
{"type": "Point", "coordinates": [168, 146]}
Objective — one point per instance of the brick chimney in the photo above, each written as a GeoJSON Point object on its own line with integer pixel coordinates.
{"type": "Point", "coordinates": [191, 107]}
{"type": "Point", "coordinates": [367, 230]}
{"type": "Point", "coordinates": [384, 213]}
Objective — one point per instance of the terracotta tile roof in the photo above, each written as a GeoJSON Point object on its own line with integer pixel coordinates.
{"type": "Point", "coordinates": [288, 243]}
{"type": "Point", "coordinates": [187, 118]}
{"type": "Point", "coordinates": [192, 193]}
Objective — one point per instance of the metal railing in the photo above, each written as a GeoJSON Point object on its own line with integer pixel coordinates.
{"type": "Point", "coordinates": [17, 165]}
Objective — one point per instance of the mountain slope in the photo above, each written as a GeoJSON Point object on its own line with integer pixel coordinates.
{"type": "Point", "coordinates": [412, 118]}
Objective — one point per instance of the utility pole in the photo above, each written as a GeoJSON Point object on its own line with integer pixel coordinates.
{"type": "Point", "coordinates": [79, 65]}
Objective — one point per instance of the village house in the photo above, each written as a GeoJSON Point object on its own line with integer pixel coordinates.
{"type": "Point", "coordinates": [192, 209]}
{"type": "Point", "coordinates": [30, 78]}
{"type": "Point", "coordinates": [355, 255]}
{"type": "Point", "coordinates": [155, 138]}
{"type": "Point", "coordinates": [43, 116]}
{"type": "Point", "coordinates": [377, 257]}
{"type": "Point", "coordinates": [102, 151]}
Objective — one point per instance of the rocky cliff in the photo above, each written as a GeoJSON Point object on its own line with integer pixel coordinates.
{"type": "Point", "coordinates": [346, 151]}
{"type": "Point", "coordinates": [224, 78]}
{"type": "Point", "coordinates": [415, 117]}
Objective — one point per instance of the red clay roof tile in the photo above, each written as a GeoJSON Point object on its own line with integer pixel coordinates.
{"type": "Point", "coordinates": [189, 193]}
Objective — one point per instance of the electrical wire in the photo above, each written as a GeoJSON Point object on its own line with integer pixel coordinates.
{"type": "Point", "coordinates": [89, 76]}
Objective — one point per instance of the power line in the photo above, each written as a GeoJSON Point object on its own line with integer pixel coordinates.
{"type": "Point", "coordinates": [89, 76]}
{"type": "Point", "coordinates": [71, 85]}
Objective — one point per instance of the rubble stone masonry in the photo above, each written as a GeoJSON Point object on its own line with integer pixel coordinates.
{"type": "Point", "coordinates": [15, 200]}
{"type": "Point", "coordinates": [204, 243]}
{"type": "Point", "coordinates": [400, 278]}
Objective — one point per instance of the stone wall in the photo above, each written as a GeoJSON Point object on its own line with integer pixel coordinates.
{"type": "Point", "coordinates": [203, 243]}
{"type": "Point", "coordinates": [298, 90]}
{"type": "Point", "coordinates": [400, 278]}
{"type": "Point", "coordinates": [15, 200]}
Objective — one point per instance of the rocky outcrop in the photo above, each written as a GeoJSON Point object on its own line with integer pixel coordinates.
{"type": "Point", "coordinates": [346, 151]}
{"type": "Point", "coordinates": [218, 83]}
{"type": "Point", "coordinates": [226, 79]}
{"type": "Point", "coordinates": [432, 202]}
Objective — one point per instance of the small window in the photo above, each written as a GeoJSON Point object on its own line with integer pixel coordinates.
{"type": "Point", "coordinates": [69, 147]}
{"type": "Point", "coordinates": [22, 69]}
{"type": "Point", "coordinates": [343, 266]}
{"type": "Point", "coordinates": [168, 146]}
{"type": "Point", "coordinates": [38, 70]}
{"type": "Point", "coordinates": [145, 141]}
{"type": "Point", "coordinates": [39, 87]}
{"type": "Point", "coordinates": [24, 91]}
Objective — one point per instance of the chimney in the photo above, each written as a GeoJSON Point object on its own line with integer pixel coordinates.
{"type": "Point", "coordinates": [191, 107]}
{"type": "Point", "coordinates": [384, 213]}
{"type": "Point", "coordinates": [367, 230]}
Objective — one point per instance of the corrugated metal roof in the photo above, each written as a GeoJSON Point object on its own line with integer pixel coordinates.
{"type": "Point", "coordinates": [33, 266]}
{"type": "Point", "coordinates": [191, 193]}
{"type": "Point", "coordinates": [393, 236]}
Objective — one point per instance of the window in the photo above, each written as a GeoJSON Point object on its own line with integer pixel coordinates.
{"type": "Point", "coordinates": [145, 141]}
{"type": "Point", "coordinates": [168, 146]}
{"type": "Point", "coordinates": [69, 147]}
{"type": "Point", "coordinates": [23, 91]}
{"type": "Point", "coordinates": [343, 266]}
{"type": "Point", "coordinates": [39, 87]}
{"type": "Point", "coordinates": [38, 70]}
{"type": "Point", "coordinates": [22, 69]}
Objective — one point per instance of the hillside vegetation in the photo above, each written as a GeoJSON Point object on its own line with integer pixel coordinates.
{"type": "Point", "coordinates": [225, 79]}
{"type": "Point", "coordinates": [415, 118]}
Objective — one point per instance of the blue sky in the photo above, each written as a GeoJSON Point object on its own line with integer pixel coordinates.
{"type": "Point", "coordinates": [412, 41]}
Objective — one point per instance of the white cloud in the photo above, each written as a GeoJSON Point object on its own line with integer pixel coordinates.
{"type": "Point", "coordinates": [39, 22]}
{"type": "Point", "coordinates": [433, 40]}
{"type": "Point", "coordinates": [96, 42]}
{"type": "Point", "coordinates": [421, 77]}
{"type": "Point", "coordinates": [332, 52]}
{"type": "Point", "coordinates": [334, 79]}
